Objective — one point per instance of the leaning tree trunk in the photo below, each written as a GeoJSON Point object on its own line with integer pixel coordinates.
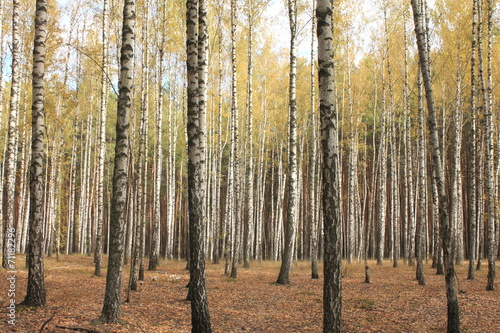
{"type": "Point", "coordinates": [332, 290]}
{"type": "Point", "coordinates": [290, 231]}
{"type": "Point", "coordinates": [35, 295]}
{"type": "Point", "coordinates": [445, 230]}
{"type": "Point", "coordinates": [13, 129]}
{"type": "Point", "coordinates": [196, 47]}
{"type": "Point", "coordinates": [112, 298]}
{"type": "Point", "coordinates": [102, 143]}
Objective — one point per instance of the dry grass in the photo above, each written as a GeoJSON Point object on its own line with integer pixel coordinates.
{"type": "Point", "coordinates": [253, 302]}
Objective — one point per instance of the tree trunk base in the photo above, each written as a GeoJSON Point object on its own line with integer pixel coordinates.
{"type": "Point", "coordinates": [367, 274]}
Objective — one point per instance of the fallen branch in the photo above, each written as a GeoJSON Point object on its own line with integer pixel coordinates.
{"type": "Point", "coordinates": [46, 322]}
{"type": "Point", "coordinates": [141, 328]}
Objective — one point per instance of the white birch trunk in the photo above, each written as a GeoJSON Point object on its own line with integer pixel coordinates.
{"type": "Point", "coordinates": [13, 129]}
{"type": "Point", "coordinates": [171, 182]}
{"type": "Point", "coordinates": [24, 193]}
{"type": "Point", "coordinates": [234, 185]}
{"type": "Point", "coordinates": [291, 223]}
{"type": "Point", "coordinates": [155, 241]}
{"type": "Point", "coordinates": [278, 231]}
{"type": "Point", "coordinates": [453, 324]}
{"type": "Point", "coordinates": [351, 171]}
{"type": "Point", "coordinates": [23, 240]}
{"type": "Point", "coordinates": [313, 163]}
{"type": "Point", "coordinates": [144, 165]}
{"type": "Point", "coordinates": [480, 199]}
{"type": "Point", "coordinates": [249, 237]}
{"type": "Point", "coordinates": [411, 222]}
{"type": "Point", "coordinates": [50, 202]}
{"type": "Point", "coordinates": [382, 188]}
{"type": "Point", "coordinates": [197, 64]}
{"type": "Point", "coordinates": [332, 221]}
{"type": "Point", "coordinates": [419, 250]}
{"type": "Point", "coordinates": [112, 298]}
{"type": "Point", "coordinates": [102, 143]}
{"type": "Point", "coordinates": [489, 167]}
{"type": "Point", "coordinates": [394, 160]}
{"type": "Point", "coordinates": [472, 160]}
{"type": "Point", "coordinates": [261, 185]}
{"type": "Point", "coordinates": [456, 195]}
{"type": "Point", "coordinates": [83, 205]}
{"type": "Point", "coordinates": [35, 295]}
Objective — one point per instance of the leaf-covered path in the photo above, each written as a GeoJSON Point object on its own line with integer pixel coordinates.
{"type": "Point", "coordinates": [253, 303]}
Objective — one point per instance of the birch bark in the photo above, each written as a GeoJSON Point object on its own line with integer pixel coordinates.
{"type": "Point", "coordinates": [450, 277]}
{"type": "Point", "coordinates": [35, 295]}
{"type": "Point", "coordinates": [332, 290]}
{"type": "Point", "coordinates": [112, 298]}
{"type": "Point", "coordinates": [291, 223]}
{"type": "Point", "coordinates": [13, 129]}
{"type": "Point", "coordinates": [102, 142]}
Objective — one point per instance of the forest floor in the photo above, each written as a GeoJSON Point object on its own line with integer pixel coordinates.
{"type": "Point", "coordinates": [393, 302]}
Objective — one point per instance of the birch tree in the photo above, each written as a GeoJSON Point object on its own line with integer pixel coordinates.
{"type": "Point", "coordinates": [102, 142]}
{"type": "Point", "coordinates": [142, 188]}
{"type": "Point", "coordinates": [13, 129]}
{"type": "Point", "coordinates": [456, 202]}
{"type": "Point", "coordinates": [381, 218]}
{"type": "Point", "coordinates": [290, 230]}
{"type": "Point", "coordinates": [419, 243]}
{"type": "Point", "coordinates": [197, 62]}
{"type": "Point", "coordinates": [453, 324]}
{"type": "Point", "coordinates": [112, 298]}
{"type": "Point", "coordinates": [394, 158]}
{"type": "Point", "coordinates": [313, 167]}
{"type": "Point", "coordinates": [233, 185]}
{"type": "Point", "coordinates": [155, 241]}
{"type": "Point", "coordinates": [249, 230]}
{"type": "Point", "coordinates": [35, 295]}
{"type": "Point", "coordinates": [332, 290]}
{"type": "Point", "coordinates": [489, 146]}
{"type": "Point", "coordinates": [472, 160]}
{"type": "Point", "coordinates": [408, 178]}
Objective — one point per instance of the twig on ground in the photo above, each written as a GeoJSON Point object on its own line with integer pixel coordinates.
{"type": "Point", "coordinates": [46, 322]}
{"type": "Point", "coordinates": [141, 328]}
